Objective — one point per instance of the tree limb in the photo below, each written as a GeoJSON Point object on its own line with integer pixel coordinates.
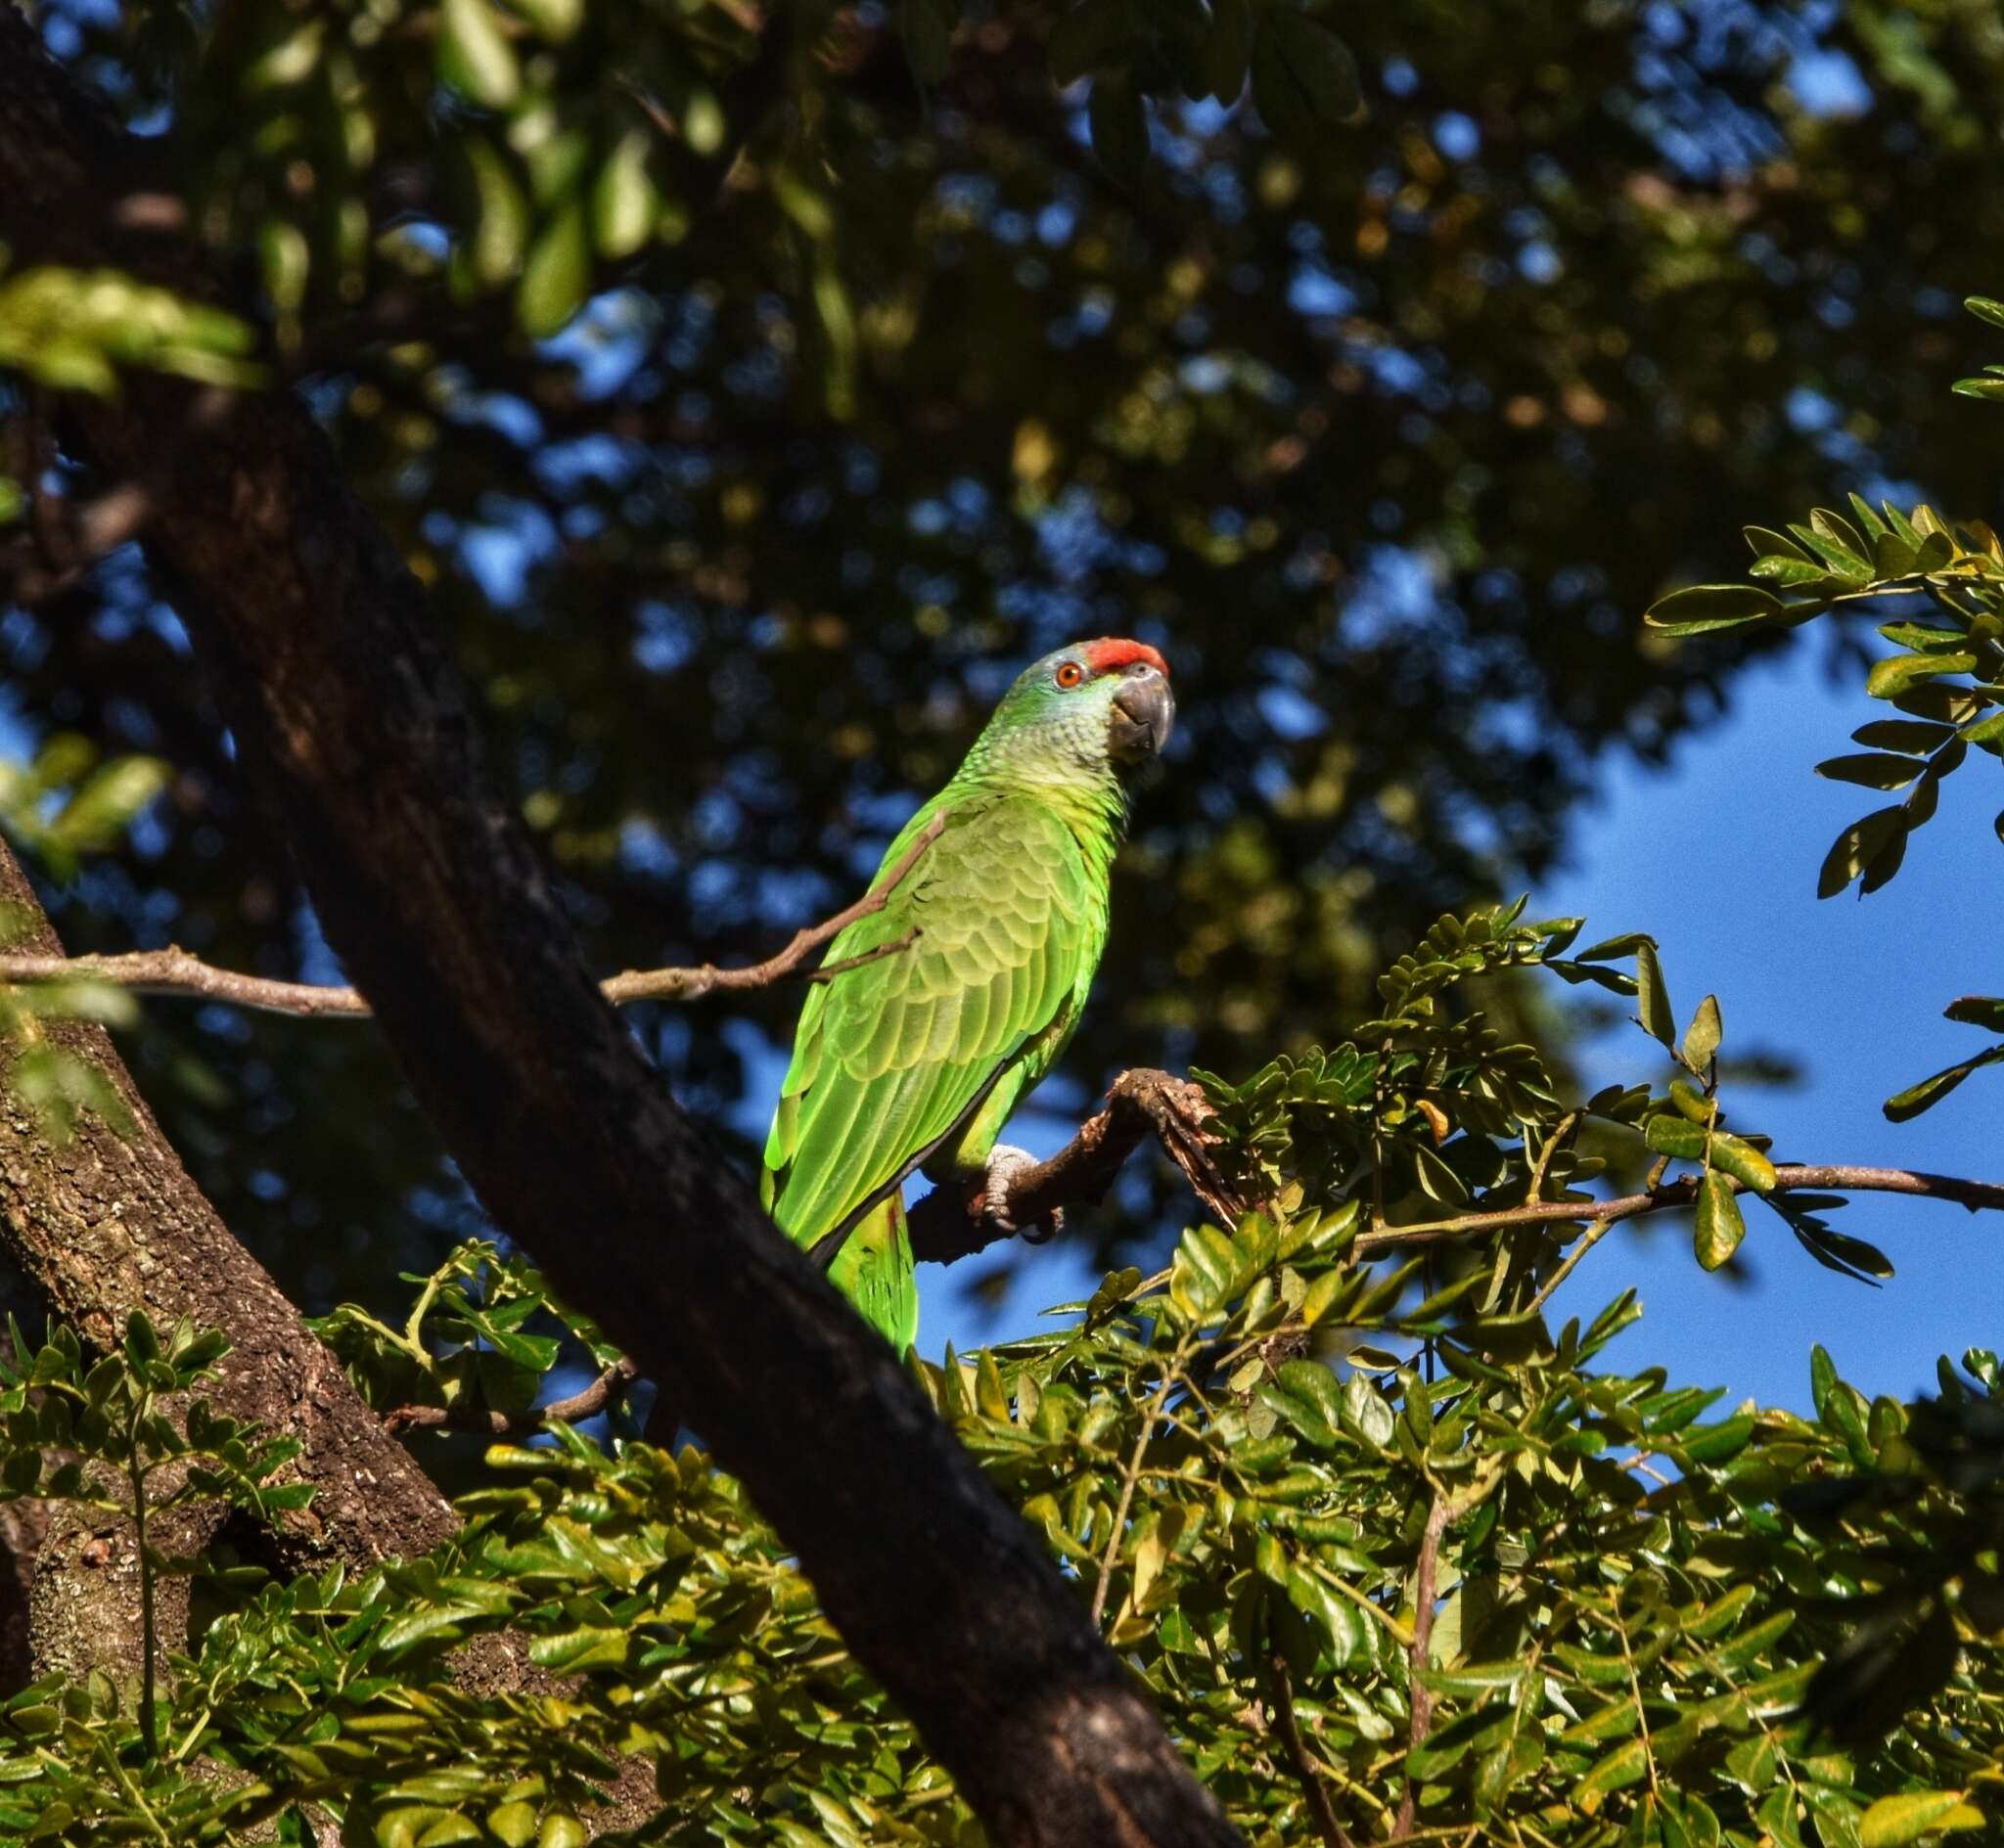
{"type": "Point", "coordinates": [174, 971]}
{"type": "Point", "coordinates": [105, 1223]}
{"type": "Point", "coordinates": [950, 1221]}
{"type": "Point", "coordinates": [586, 1404]}
{"type": "Point", "coordinates": [354, 726]}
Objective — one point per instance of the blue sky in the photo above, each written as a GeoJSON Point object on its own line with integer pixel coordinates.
{"type": "Point", "coordinates": [1716, 856]}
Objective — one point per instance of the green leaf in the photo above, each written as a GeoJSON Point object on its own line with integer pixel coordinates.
{"type": "Point", "coordinates": [1653, 998]}
{"type": "Point", "coordinates": [1702, 608]}
{"type": "Point", "coordinates": [1675, 1136]}
{"type": "Point", "coordinates": [1897, 672]}
{"type": "Point", "coordinates": [553, 19]}
{"type": "Point", "coordinates": [1914, 738]}
{"type": "Point", "coordinates": [625, 203]}
{"type": "Point", "coordinates": [557, 276]}
{"type": "Point", "coordinates": [573, 1650]}
{"type": "Point", "coordinates": [1991, 389]}
{"type": "Point", "coordinates": [1743, 1161]}
{"type": "Point", "coordinates": [1716, 1443]}
{"type": "Point", "coordinates": [1875, 770]}
{"type": "Point", "coordinates": [515, 1824]}
{"type": "Point", "coordinates": [1857, 847]}
{"type": "Point", "coordinates": [1925, 638]}
{"type": "Point", "coordinates": [1904, 1106]}
{"type": "Point", "coordinates": [1766, 543]}
{"type": "Point", "coordinates": [1896, 1820]}
{"type": "Point", "coordinates": [1986, 309]}
{"type": "Point", "coordinates": [1985, 1010]}
{"type": "Point", "coordinates": [1226, 56]}
{"type": "Point", "coordinates": [1701, 1037]}
{"type": "Point", "coordinates": [1720, 1225]}
{"type": "Point", "coordinates": [1626, 1764]}
{"type": "Point", "coordinates": [1365, 1415]}
{"type": "Point", "coordinates": [1840, 533]}
{"type": "Point", "coordinates": [474, 56]}
{"type": "Point", "coordinates": [1304, 80]}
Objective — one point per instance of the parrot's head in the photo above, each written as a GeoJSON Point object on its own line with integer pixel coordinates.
{"type": "Point", "coordinates": [1091, 707]}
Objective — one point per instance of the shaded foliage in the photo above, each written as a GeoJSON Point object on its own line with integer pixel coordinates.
{"type": "Point", "coordinates": [1379, 1547]}
{"type": "Point", "coordinates": [1383, 436]}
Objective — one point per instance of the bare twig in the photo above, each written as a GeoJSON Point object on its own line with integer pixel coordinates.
{"type": "Point", "coordinates": [1314, 1788]}
{"type": "Point", "coordinates": [174, 971]}
{"type": "Point", "coordinates": [589, 1403]}
{"type": "Point", "coordinates": [1422, 1697]}
{"type": "Point", "coordinates": [58, 550]}
{"type": "Point", "coordinates": [1789, 1178]}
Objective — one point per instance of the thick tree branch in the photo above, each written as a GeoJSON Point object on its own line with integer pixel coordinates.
{"type": "Point", "coordinates": [357, 728]}
{"type": "Point", "coordinates": [949, 1223]}
{"type": "Point", "coordinates": [106, 1223]}
{"type": "Point", "coordinates": [174, 971]}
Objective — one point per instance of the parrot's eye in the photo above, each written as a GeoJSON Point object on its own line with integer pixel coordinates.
{"type": "Point", "coordinates": [1068, 674]}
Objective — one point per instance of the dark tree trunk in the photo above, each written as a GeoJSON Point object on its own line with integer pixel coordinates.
{"type": "Point", "coordinates": [354, 723]}
{"type": "Point", "coordinates": [104, 1223]}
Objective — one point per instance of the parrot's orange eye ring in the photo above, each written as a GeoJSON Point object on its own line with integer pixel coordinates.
{"type": "Point", "coordinates": [1068, 674]}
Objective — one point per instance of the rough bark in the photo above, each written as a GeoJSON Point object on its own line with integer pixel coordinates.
{"type": "Point", "coordinates": [108, 1222]}
{"type": "Point", "coordinates": [357, 727]}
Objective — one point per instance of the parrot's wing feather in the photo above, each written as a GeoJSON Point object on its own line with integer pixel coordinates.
{"type": "Point", "coordinates": [891, 1058]}
{"type": "Point", "coordinates": [828, 1248]}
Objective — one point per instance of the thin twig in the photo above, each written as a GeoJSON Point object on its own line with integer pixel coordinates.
{"type": "Point", "coordinates": [1792, 1177]}
{"type": "Point", "coordinates": [1552, 1143]}
{"type": "Point", "coordinates": [589, 1403]}
{"type": "Point", "coordinates": [1281, 1697]}
{"type": "Point", "coordinates": [1421, 1696]}
{"type": "Point", "coordinates": [1173, 1371]}
{"type": "Point", "coordinates": [174, 971]}
{"type": "Point", "coordinates": [1590, 1237]}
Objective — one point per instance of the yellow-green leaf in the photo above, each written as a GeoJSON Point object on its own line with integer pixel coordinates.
{"type": "Point", "coordinates": [556, 275]}
{"type": "Point", "coordinates": [1896, 1820]}
{"type": "Point", "coordinates": [1719, 1226]}
{"type": "Point", "coordinates": [474, 56]}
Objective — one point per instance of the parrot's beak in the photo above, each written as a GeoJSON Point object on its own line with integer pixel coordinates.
{"type": "Point", "coordinates": [1144, 712]}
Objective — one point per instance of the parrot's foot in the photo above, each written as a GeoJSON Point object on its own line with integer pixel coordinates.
{"type": "Point", "coordinates": [1004, 1164]}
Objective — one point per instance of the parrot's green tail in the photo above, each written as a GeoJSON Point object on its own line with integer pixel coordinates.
{"type": "Point", "coordinates": [875, 1273]}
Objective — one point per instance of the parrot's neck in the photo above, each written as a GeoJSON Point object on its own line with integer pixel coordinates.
{"type": "Point", "coordinates": [1091, 801]}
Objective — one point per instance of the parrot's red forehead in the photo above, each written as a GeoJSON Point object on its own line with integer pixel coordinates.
{"type": "Point", "coordinates": [1112, 651]}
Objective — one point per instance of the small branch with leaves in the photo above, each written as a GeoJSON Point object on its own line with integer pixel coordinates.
{"type": "Point", "coordinates": [174, 971]}
{"type": "Point", "coordinates": [946, 1225]}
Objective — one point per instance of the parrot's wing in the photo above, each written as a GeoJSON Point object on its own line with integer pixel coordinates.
{"type": "Point", "coordinates": [891, 1057]}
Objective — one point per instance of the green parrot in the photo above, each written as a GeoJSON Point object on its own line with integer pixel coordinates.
{"type": "Point", "coordinates": [917, 1059]}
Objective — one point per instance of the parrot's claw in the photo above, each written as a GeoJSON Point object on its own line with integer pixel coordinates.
{"type": "Point", "coordinates": [1005, 1164]}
